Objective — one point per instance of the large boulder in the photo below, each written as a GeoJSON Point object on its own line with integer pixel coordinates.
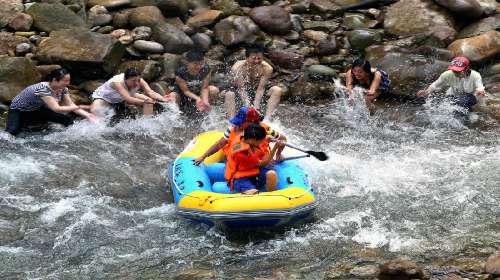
{"type": "Point", "coordinates": [16, 73]}
{"type": "Point", "coordinates": [8, 42]}
{"type": "Point", "coordinates": [49, 17]}
{"type": "Point", "coordinates": [9, 9]}
{"type": "Point", "coordinates": [235, 30]}
{"type": "Point", "coordinates": [168, 7]}
{"type": "Point", "coordinates": [149, 69]}
{"type": "Point", "coordinates": [407, 71]}
{"type": "Point", "coordinates": [89, 53]}
{"type": "Point", "coordinates": [173, 39]}
{"type": "Point", "coordinates": [286, 59]}
{"type": "Point", "coordinates": [401, 268]}
{"type": "Point", "coordinates": [204, 18]}
{"type": "Point", "coordinates": [478, 48]}
{"type": "Point", "coordinates": [326, 6]}
{"type": "Point", "coordinates": [99, 16]}
{"type": "Point", "coordinates": [409, 17]}
{"type": "Point", "coordinates": [109, 4]}
{"type": "Point", "coordinates": [22, 22]}
{"type": "Point", "coordinates": [145, 16]}
{"type": "Point", "coordinates": [362, 38]}
{"type": "Point", "coordinates": [228, 7]}
{"type": "Point", "coordinates": [489, 7]}
{"type": "Point", "coordinates": [481, 26]}
{"type": "Point", "coordinates": [492, 265]}
{"type": "Point", "coordinates": [463, 8]}
{"type": "Point", "coordinates": [272, 19]}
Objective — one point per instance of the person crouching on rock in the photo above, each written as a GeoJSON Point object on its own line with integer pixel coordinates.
{"type": "Point", "coordinates": [463, 83]}
{"type": "Point", "coordinates": [40, 102]}
{"type": "Point", "coordinates": [123, 88]}
{"type": "Point", "coordinates": [373, 81]}
{"type": "Point", "coordinates": [248, 160]}
{"type": "Point", "coordinates": [192, 89]}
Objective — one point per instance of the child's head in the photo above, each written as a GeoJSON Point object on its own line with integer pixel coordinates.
{"type": "Point", "coordinates": [254, 134]}
{"type": "Point", "coordinates": [194, 60]}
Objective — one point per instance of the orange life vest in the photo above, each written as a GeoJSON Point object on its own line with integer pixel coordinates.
{"type": "Point", "coordinates": [234, 137]}
{"type": "Point", "coordinates": [235, 170]}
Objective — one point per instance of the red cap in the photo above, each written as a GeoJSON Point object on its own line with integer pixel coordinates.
{"type": "Point", "coordinates": [459, 63]}
{"type": "Point", "coordinates": [252, 115]}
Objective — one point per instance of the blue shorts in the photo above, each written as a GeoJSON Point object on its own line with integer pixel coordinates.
{"type": "Point", "coordinates": [249, 183]}
{"type": "Point", "coordinates": [466, 101]}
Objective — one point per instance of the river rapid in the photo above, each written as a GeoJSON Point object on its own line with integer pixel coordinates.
{"type": "Point", "coordinates": [89, 201]}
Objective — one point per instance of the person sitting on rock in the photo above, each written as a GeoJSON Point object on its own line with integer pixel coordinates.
{"type": "Point", "coordinates": [40, 103]}
{"type": "Point", "coordinates": [245, 117]}
{"type": "Point", "coordinates": [463, 83]}
{"type": "Point", "coordinates": [247, 161]}
{"type": "Point", "coordinates": [192, 89]}
{"type": "Point", "coordinates": [123, 88]}
{"type": "Point", "coordinates": [250, 79]}
{"type": "Point", "coordinates": [372, 81]}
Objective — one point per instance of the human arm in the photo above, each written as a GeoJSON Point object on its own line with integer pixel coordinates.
{"type": "Point", "coordinates": [238, 81]}
{"type": "Point", "coordinates": [136, 100]}
{"type": "Point", "coordinates": [80, 111]}
{"type": "Point", "coordinates": [186, 91]}
{"type": "Point", "coordinates": [348, 81]}
{"type": "Point", "coordinates": [375, 84]}
{"type": "Point", "coordinates": [479, 87]}
{"type": "Point", "coordinates": [212, 150]}
{"type": "Point", "coordinates": [436, 85]}
{"type": "Point", "coordinates": [205, 88]}
{"type": "Point", "coordinates": [268, 157]}
{"type": "Point", "coordinates": [267, 71]}
{"type": "Point", "coordinates": [151, 93]}
{"type": "Point", "coordinates": [53, 105]}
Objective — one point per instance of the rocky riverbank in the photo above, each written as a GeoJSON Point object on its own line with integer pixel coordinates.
{"type": "Point", "coordinates": [309, 43]}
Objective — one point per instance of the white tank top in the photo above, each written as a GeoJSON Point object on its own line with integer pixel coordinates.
{"type": "Point", "coordinates": [111, 95]}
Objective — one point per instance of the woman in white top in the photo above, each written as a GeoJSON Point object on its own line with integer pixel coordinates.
{"type": "Point", "coordinates": [463, 84]}
{"type": "Point", "coordinates": [122, 89]}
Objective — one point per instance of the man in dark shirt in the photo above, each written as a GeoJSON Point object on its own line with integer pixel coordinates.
{"type": "Point", "coordinates": [192, 89]}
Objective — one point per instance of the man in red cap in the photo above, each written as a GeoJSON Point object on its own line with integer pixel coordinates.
{"type": "Point", "coordinates": [463, 83]}
{"type": "Point", "coordinates": [242, 119]}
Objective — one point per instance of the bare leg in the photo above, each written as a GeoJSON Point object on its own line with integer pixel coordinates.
{"type": "Point", "coordinates": [274, 93]}
{"type": "Point", "coordinates": [271, 180]}
{"type": "Point", "coordinates": [99, 107]}
{"type": "Point", "coordinates": [229, 100]}
{"type": "Point", "coordinates": [147, 109]}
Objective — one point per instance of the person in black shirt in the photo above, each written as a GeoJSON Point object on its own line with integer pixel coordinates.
{"type": "Point", "coordinates": [192, 89]}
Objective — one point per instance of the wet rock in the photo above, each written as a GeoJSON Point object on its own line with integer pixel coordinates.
{"type": "Point", "coordinates": [167, 7]}
{"type": "Point", "coordinates": [407, 71]}
{"type": "Point", "coordinates": [325, 7]}
{"type": "Point", "coordinates": [8, 42]}
{"type": "Point", "coordinates": [118, 33]}
{"type": "Point", "coordinates": [126, 39]}
{"type": "Point", "coordinates": [286, 59]}
{"type": "Point", "coordinates": [205, 18]}
{"type": "Point", "coordinates": [23, 48]}
{"type": "Point", "coordinates": [149, 69]}
{"type": "Point", "coordinates": [327, 47]}
{"type": "Point", "coordinates": [49, 17]}
{"type": "Point", "coordinates": [363, 272]}
{"type": "Point", "coordinates": [357, 21]}
{"type": "Point", "coordinates": [105, 29]}
{"type": "Point", "coordinates": [482, 26]}
{"type": "Point", "coordinates": [141, 33]}
{"type": "Point", "coordinates": [179, 24]}
{"type": "Point", "coordinates": [401, 268]}
{"type": "Point", "coordinates": [337, 59]}
{"type": "Point", "coordinates": [478, 48]}
{"type": "Point", "coordinates": [16, 73]}
{"type": "Point", "coordinates": [148, 46]}
{"type": "Point", "coordinates": [202, 40]}
{"type": "Point", "coordinates": [22, 22]}
{"type": "Point", "coordinates": [109, 4]}
{"type": "Point", "coordinates": [87, 52]}
{"type": "Point", "coordinates": [9, 9]}
{"type": "Point", "coordinates": [362, 38]}
{"type": "Point", "coordinates": [463, 8]}
{"type": "Point", "coordinates": [90, 86]}
{"type": "Point", "coordinates": [170, 64]}
{"type": "Point", "coordinates": [44, 70]}
{"type": "Point", "coordinates": [172, 39]}
{"type": "Point", "coordinates": [235, 30]}
{"type": "Point", "coordinates": [409, 17]}
{"type": "Point", "coordinates": [315, 35]}
{"type": "Point", "coordinates": [35, 39]}
{"type": "Point", "coordinates": [145, 16]}
{"type": "Point", "coordinates": [10, 231]}
{"type": "Point", "coordinates": [321, 71]}
{"type": "Point", "coordinates": [303, 90]}
{"type": "Point", "coordinates": [99, 16]}
{"type": "Point", "coordinates": [326, 26]}
{"type": "Point", "coordinates": [272, 19]}
{"type": "Point", "coordinates": [452, 277]}
{"type": "Point", "coordinates": [489, 7]}
{"type": "Point", "coordinates": [195, 274]}
{"type": "Point", "coordinates": [293, 36]}
{"type": "Point", "coordinates": [228, 7]}
{"type": "Point", "coordinates": [492, 265]}
{"type": "Point", "coordinates": [120, 19]}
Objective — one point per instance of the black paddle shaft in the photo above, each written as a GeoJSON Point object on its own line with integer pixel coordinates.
{"type": "Point", "coordinates": [319, 155]}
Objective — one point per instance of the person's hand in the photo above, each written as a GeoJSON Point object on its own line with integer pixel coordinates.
{"type": "Point", "coordinates": [91, 117]}
{"type": "Point", "coordinates": [199, 160]}
{"type": "Point", "coordinates": [480, 93]}
{"type": "Point", "coordinates": [202, 106]}
{"type": "Point", "coordinates": [149, 101]}
{"type": "Point", "coordinates": [167, 98]}
{"type": "Point", "coordinates": [74, 107]}
{"type": "Point", "coordinates": [422, 93]}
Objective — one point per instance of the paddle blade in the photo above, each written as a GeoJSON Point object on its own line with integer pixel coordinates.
{"type": "Point", "coordinates": [319, 155]}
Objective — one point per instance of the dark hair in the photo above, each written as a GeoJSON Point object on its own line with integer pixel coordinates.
{"type": "Point", "coordinates": [131, 72]}
{"type": "Point", "coordinates": [253, 49]}
{"type": "Point", "coordinates": [192, 56]}
{"type": "Point", "coordinates": [365, 65]}
{"type": "Point", "coordinates": [57, 74]}
{"type": "Point", "coordinates": [254, 131]}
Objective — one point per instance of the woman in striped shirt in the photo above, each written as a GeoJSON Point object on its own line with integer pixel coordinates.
{"type": "Point", "coordinates": [40, 102]}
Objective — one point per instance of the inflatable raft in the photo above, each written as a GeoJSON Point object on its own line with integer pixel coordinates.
{"type": "Point", "coordinates": [202, 194]}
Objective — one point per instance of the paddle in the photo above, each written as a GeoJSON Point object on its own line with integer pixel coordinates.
{"type": "Point", "coordinates": [295, 157]}
{"type": "Point", "coordinates": [318, 155]}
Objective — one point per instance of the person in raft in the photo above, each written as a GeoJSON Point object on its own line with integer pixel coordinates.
{"type": "Point", "coordinates": [250, 80]}
{"type": "Point", "coordinates": [373, 81]}
{"type": "Point", "coordinates": [122, 89]}
{"type": "Point", "coordinates": [40, 102]}
{"type": "Point", "coordinates": [247, 161]}
{"type": "Point", "coordinates": [192, 89]}
{"type": "Point", "coordinates": [463, 83]}
{"type": "Point", "coordinates": [242, 120]}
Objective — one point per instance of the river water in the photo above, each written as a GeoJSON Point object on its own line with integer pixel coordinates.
{"type": "Point", "coordinates": [89, 202]}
